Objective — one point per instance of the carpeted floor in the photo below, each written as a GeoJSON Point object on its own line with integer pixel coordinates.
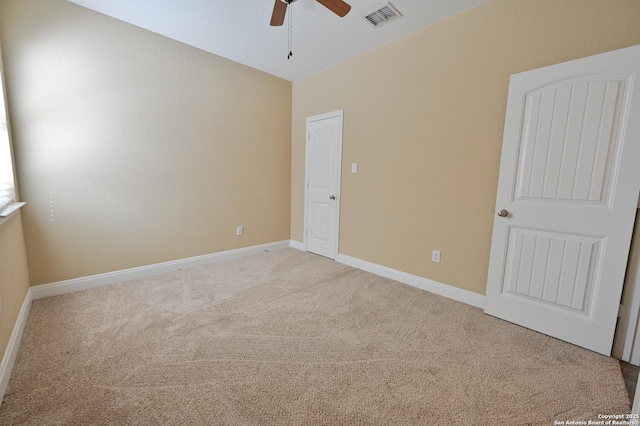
{"type": "Point", "coordinates": [291, 338]}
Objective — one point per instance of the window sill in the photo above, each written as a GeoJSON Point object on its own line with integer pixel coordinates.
{"type": "Point", "coordinates": [9, 210]}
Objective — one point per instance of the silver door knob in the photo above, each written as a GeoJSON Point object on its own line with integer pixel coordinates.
{"type": "Point", "coordinates": [503, 213]}
{"type": "Point", "coordinates": [332, 197]}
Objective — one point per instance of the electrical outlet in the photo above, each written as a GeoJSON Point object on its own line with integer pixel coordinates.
{"type": "Point", "coordinates": [239, 230]}
{"type": "Point", "coordinates": [435, 256]}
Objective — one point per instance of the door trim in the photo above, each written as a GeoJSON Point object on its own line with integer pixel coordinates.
{"type": "Point", "coordinates": [339, 114]}
{"type": "Point", "coordinates": [626, 342]}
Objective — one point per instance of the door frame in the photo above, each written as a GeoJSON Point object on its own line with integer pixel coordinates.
{"type": "Point", "coordinates": [307, 161]}
{"type": "Point", "coordinates": [626, 343]}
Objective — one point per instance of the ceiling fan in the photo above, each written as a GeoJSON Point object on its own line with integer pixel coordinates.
{"type": "Point", "coordinates": [338, 7]}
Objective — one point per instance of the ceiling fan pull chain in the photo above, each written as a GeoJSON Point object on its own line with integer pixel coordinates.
{"type": "Point", "coordinates": [290, 31]}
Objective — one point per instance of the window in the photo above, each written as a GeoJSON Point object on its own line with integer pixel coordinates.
{"type": "Point", "coordinates": [7, 185]}
{"type": "Point", "coordinates": [7, 194]}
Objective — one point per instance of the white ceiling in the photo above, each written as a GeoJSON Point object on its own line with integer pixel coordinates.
{"type": "Point", "coordinates": [239, 29]}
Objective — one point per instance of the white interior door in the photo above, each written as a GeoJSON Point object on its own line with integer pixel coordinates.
{"type": "Point", "coordinates": [324, 158]}
{"type": "Point", "coordinates": [567, 192]}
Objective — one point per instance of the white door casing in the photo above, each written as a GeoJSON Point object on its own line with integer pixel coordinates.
{"type": "Point", "coordinates": [626, 344]}
{"type": "Point", "coordinates": [322, 193]}
{"type": "Point", "coordinates": [569, 180]}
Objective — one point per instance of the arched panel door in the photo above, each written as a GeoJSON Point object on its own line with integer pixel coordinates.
{"type": "Point", "coordinates": [567, 196]}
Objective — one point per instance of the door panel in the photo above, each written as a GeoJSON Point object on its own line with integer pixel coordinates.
{"type": "Point", "coordinates": [569, 179]}
{"type": "Point", "coordinates": [551, 267]}
{"type": "Point", "coordinates": [568, 141]}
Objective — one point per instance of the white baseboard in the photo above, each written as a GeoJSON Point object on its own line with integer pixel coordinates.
{"type": "Point", "coordinates": [11, 351]}
{"type": "Point", "coordinates": [84, 283]}
{"type": "Point", "coordinates": [296, 245]}
{"type": "Point", "coordinates": [465, 296]}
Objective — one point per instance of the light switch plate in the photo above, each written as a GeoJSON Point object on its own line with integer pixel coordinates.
{"type": "Point", "coordinates": [354, 167]}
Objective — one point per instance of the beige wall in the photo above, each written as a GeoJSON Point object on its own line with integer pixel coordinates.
{"type": "Point", "coordinates": [423, 118]}
{"type": "Point", "coordinates": [132, 148]}
{"type": "Point", "coordinates": [14, 276]}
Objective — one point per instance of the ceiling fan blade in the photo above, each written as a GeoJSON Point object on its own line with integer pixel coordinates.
{"type": "Point", "coordinates": [279, 10]}
{"type": "Point", "coordinates": [338, 7]}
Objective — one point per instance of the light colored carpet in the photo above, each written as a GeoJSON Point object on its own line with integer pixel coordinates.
{"type": "Point", "coordinates": [290, 338]}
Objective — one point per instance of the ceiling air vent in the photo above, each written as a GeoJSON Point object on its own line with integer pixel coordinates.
{"type": "Point", "coordinates": [386, 13]}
